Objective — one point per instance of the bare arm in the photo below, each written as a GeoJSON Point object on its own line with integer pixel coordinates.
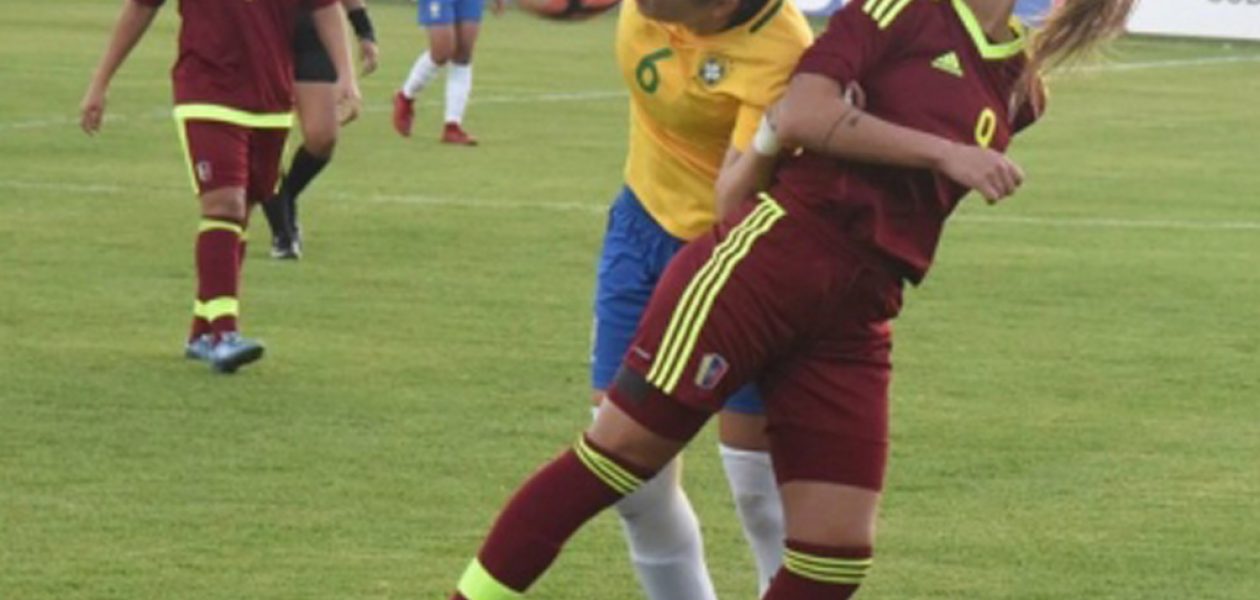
{"type": "Point", "coordinates": [814, 115]}
{"type": "Point", "coordinates": [743, 174]}
{"type": "Point", "coordinates": [332, 32]}
{"type": "Point", "coordinates": [133, 21]}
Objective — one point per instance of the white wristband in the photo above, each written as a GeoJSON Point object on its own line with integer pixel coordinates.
{"type": "Point", "coordinates": [765, 142]}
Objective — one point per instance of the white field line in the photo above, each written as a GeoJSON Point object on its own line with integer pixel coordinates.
{"type": "Point", "coordinates": [596, 95]}
{"type": "Point", "coordinates": [600, 208]}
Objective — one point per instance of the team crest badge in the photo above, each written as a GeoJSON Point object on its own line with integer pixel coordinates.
{"type": "Point", "coordinates": [204, 171]}
{"type": "Point", "coordinates": [713, 70]}
{"type": "Point", "coordinates": [712, 369]}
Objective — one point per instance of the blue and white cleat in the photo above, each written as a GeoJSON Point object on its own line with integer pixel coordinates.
{"type": "Point", "coordinates": [233, 352]}
{"type": "Point", "coordinates": [199, 348]}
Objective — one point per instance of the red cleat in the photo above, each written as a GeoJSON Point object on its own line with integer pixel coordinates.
{"type": "Point", "coordinates": [454, 134]}
{"type": "Point", "coordinates": [404, 114]}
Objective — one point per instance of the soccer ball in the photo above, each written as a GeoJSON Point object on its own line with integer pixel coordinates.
{"type": "Point", "coordinates": [567, 10]}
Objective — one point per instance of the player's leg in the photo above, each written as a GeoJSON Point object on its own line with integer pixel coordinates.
{"type": "Point", "coordinates": [704, 335]}
{"type": "Point", "coordinates": [610, 461]}
{"type": "Point", "coordinates": [217, 164]}
{"type": "Point", "coordinates": [745, 451]}
{"type": "Point", "coordinates": [828, 410]}
{"type": "Point", "coordinates": [438, 19]}
{"type": "Point", "coordinates": [661, 528]}
{"type": "Point", "coordinates": [459, 77]}
{"type": "Point", "coordinates": [316, 103]}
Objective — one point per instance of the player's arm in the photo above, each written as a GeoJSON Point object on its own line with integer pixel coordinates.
{"type": "Point", "coordinates": [746, 173]}
{"type": "Point", "coordinates": [133, 22]}
{"type": "Point", "coordinates": [369, 52]}
{"type": "Point", "coordinates": [815, 115]}
{"type": "Point", "coordinates": [332, 32]}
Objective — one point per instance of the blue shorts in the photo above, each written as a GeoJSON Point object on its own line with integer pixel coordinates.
{"type": "Point", "coordinates": [635, 253]}
{"type": "Point", "coordinates": [446, 12]}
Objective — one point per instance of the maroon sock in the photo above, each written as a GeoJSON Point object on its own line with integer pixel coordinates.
{"type": "Point", "coordinates": [218, 274]}
{"type": "Point", "coordinates": [814, 572]}
{"type": "Point", "coordinates": [548, 509]}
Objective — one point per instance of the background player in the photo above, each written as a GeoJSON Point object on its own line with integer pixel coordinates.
{"type": "Point", "coordinates": [700, 73]}
{"type": "Point", "coordinates": [452, 26]}
{"type": "Point", "coordinates": [315, 96]}
{"type": "Point", "coordinates": [317, 111]}
{"type": "Point", "coordinates": [796, 291]}
{"type": "Point", "coordinates": [233, 90]}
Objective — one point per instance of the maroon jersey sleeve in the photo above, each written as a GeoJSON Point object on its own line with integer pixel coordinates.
{"type": "Point", "coordinates": [855, 41]}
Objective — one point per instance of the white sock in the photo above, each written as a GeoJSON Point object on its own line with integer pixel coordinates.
{"type": "Point", "coordinates": [421, 74]}
{"type": "Point", "coordinates": [458, 87]}
{"type": "Point", "coordinates": [664, 537]}
{"type": "Point", "coordinates": [760, 508]}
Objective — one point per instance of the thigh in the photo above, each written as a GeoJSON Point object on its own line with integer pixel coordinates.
{"type": "Point", "coordinates": [217, 154]}
{"type": "Point", "coordinates": [730, 303]}
{"type": "Point", "coordinates": [316, 105]}
{"type": "Point", "coordinates": [265, 153]}
{"type": "Point", "coordinates": [828, 406]}
{"type": "Point", "coordinates": [468, 11]}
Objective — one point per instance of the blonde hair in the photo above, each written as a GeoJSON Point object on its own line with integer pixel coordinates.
{"type": "Point", "coordinates": [1074, 29]}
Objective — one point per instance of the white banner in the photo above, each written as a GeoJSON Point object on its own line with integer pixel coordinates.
{"type": "Point", "coordinates": [1227, 19]}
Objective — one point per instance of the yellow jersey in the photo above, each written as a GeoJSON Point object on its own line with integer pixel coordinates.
{"type": "Point", "coordinates": [692, 97]}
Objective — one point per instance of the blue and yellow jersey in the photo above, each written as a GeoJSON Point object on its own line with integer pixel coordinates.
{"type": "Point", "coordinates": [692, 97]}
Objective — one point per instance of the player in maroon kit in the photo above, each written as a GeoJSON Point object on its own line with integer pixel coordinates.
{"type": "Point", "coordinates": [233, 85]}
{"type": "Point", "coordinates": [795, 291]}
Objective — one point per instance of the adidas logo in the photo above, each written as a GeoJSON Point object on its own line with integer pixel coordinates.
{"type": "Point", "coordinates": [949, 63]}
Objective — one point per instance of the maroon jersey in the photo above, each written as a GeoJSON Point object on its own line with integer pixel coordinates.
{"type": "Point", "coordinates": [237, 53]}
{"type": "Point", "coordinates": [923, 64]}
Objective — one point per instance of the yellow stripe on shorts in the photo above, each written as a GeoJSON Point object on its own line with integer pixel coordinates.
{"type": "Point", "coordinates": [697, 299]}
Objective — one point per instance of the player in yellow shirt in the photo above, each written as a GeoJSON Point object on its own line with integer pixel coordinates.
{"type": "Point", "coordinates": [700, 74]}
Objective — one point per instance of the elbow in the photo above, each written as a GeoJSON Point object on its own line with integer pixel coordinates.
{"type": "Point", "coordinates": [791, 129]}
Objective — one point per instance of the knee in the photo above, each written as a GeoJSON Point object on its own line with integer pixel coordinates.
{"type": "Point", "coordinates": [224, 204]}
{"type": "Point", "coordinates": [321, 143]}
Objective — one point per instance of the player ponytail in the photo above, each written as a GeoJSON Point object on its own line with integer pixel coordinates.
{"type": "Point", "coordinates": [1075, 28]}
{"type": "Point", "coordinates": [1071, 32]}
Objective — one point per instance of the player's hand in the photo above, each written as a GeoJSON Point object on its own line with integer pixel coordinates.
{"type": "Point", "coordinates": [349, 100]}
{"type": "Point", "coordinates": [369, 57]}
{"type": "Point", "coordinates": [988, 172]}
{"type": "Point", "coordinates": [92, 110]}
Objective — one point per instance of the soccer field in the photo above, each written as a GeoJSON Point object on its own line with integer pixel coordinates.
{"type": "Point", "coordinates": [1075, 399]}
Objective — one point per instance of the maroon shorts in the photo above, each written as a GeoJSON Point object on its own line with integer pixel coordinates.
{"type": "Point", "coordinates": [223, 155]}
{"type": "Point", "coordinates": [762, 298]}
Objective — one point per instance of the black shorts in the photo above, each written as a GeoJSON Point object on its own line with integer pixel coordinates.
{"type": "Point", "coordinates": [311, 63]}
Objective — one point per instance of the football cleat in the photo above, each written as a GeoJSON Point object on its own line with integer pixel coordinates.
{"type": "Point", "coordinates": [454, 134]}
{"type": "Point", "coordinates": [404, 114]}
{"type": "Point", "coordinates": [286, 249]}
{"type": "Point", "coordinates": [199, 347]}
{"type": "Point", "coordinates": [233, 352]}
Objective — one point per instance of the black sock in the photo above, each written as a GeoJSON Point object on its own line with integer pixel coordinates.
{"type": "Point", "coordinates": [304, 168]}
{"type": "Point", "coordinates": [277, 217]}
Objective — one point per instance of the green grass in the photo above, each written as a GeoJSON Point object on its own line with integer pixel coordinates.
{"type": "Point", "coordinates": [1075, 400]}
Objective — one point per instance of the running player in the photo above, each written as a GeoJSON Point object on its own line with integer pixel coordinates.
{"type": "Point", "coordinates": [233, 95]}
{"type": "Point", "coordinates": [452, 26]}
{"type": "Point", "coordinates": [315, 98]}
{"type": "Point", "coordinates": [796, 291]}
{"type": "Point", "coordinates": [700, 74]}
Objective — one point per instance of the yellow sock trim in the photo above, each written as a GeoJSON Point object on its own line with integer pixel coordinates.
{"type": "Point", "coordinates": [611, 473]}
{"type": "Point", "coordinates": [215, 224]}
{"type": "Point", "coordinates": [217, 308]}
{"type": "Point", "coordinates": [849, 571]}
{"type": "Point", "coordinates": [478, 584]}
